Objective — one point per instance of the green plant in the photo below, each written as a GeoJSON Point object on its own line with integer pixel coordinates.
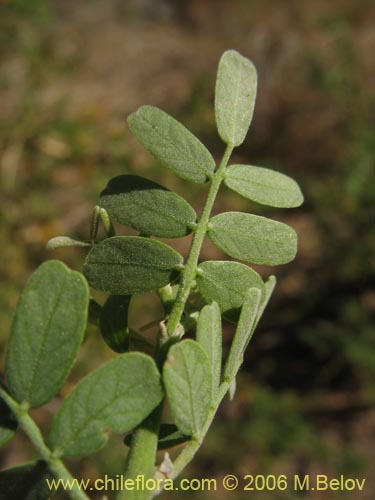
{"type": "Point", "coordinates": [126, 394]}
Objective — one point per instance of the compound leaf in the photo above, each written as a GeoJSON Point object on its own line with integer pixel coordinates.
{"type": "Point", "coordinates": [124, 265]}
{"type": "Point", "coordinates": [148, 207]}
{"type": "Point", "coordinates": [113, 322]}
{"type": "Point", "coordinates": [209, 336]}
{"type": "Point", "coordinates": [26, 482]}
{"type": "Point", "coordinates": [264, 186]}
{"type": "Point", "coordinates": [187, 380]}
{"type": "Point", "coordinates": [236, 87]}
{"type": "Point", "coordinates": [244, 331]}
{"type": "Point", "coordinates": [227, 283]}
{"type": "Point", "coordinates": [47, 331]}
{"type": "Point", "coordinates": [116, 397]}
{"type": "Point", "coordinates": [253, 238]}
{"type": "Point", "coordinates": [172, 144]}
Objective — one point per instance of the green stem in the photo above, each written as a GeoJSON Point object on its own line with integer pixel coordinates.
{"type": "Point", "coordinates": [32, 431]}
{"type": "Point", "coordinates": [141, 457]}
{"type": "Point", "coordinates": [188, 274]}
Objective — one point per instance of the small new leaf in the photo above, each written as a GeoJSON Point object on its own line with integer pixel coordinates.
{"type": "Point", "coordinates": [264, 186]}
{"type": "Point", "coordinates": [172, 144]}
{"type": "Point", "coordinates": [116, 397]}
{"type": "Point", "coordinates": [147, 207]}
{"type": "Point", "coordinates": [65, 241]}
{"type": "Point", "coordinates": [114, 322]}
{"type": "Point", "coordinates": [209, 336]}
{"type": "Point", "coordinates": [253, 238]}
{"type": "Point", "coordinates": [125, 265]}
{"type": "Point", "coordinates": [236, 87]}
{"type": "Point", "coordinates": [187, 380]}
{"type": "Point", "coordinates": [227, 283]}
{"type": "Point", "coordinates": [44, 339]}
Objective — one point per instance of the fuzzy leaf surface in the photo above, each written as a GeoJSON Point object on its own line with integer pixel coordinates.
{"type": "Point", "coordinates": [113, 322]}
{"type": "Point", "coordinates": [116, 397]}
{"type": "Point", "coordinates": [253, 238]}
{"type": "Point", "coordinates": [264, 186]}
{"type": "Point", "coordinates": [124, 265]}
{"type": "Point", "coordinates": [227, 283]}
{"type": "Point", "coordinates": [47, 332]}
{"type": "Point", "coordinates": [187, 379]}
{"type": "Point", "coordinates": [172, 144]}
{"type": "Point", "coordinates": [209, 336]}
{"type": "Point", "coordinates": [147, 207]}
{"type": "Point", "coordinates": [235, 93]}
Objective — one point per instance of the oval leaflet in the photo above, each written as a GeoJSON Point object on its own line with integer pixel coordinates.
{"type": "Point", "coordinates": [125, 265]}
{"type": "Point", "coordinates": [253, 238]}
{"type": "Point", "coordinates": [147, 207]}
{"type": "Point", "coordinates": [264, 186]}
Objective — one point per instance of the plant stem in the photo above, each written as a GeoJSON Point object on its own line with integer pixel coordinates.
{"type": "Point", "coordinates": [32, 431]}
{"type": "Point", "coordinates": [188, 274]}
{"type": "Point", "coordinates": [141, 457]}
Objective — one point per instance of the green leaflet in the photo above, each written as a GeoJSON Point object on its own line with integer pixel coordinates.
{"type": "Point", "coordinates": [117, 396]}
{"type": "Point", "coordinates": [8, 424]}
{"type": "Point", "coordinates": [243, 332]}
{"type": "Point", "coordinates": [236, 87]}
{"type": "Point", "coordinates": [253, 239]}
{"type": "Point", "coordinates": [148, 207]}
{"type": "Point", "coordinates": [124, 265]}
{"type": "Point", "coordinates": [172, 144]}
{"type": "Point", "coordinates": [26, 482]}
{"type": "Point", "coordinates": [227, 283]}
{"type": "Point", "coordinates": [264, 186]}
{"type": "Point", "coordinates": [209, 336]}
{"type": "Point", "coordinates": [114, 322]}
{"type": "Point", "coordinates": [187, 380]}
{"type": "Point", "coordinates": [44, 339]}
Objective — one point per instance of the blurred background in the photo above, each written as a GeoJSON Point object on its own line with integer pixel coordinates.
{"type": "Point", "coordinates": [72, 70]}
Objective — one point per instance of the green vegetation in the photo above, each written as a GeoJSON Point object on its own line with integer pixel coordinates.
{"type": "Point", "coordinates": [52, 313]}
{"type": "Point", "coordinates": [305, 393]}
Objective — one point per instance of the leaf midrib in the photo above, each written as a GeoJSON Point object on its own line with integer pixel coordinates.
{"type": "Point", "coordinates": [36, 364]}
